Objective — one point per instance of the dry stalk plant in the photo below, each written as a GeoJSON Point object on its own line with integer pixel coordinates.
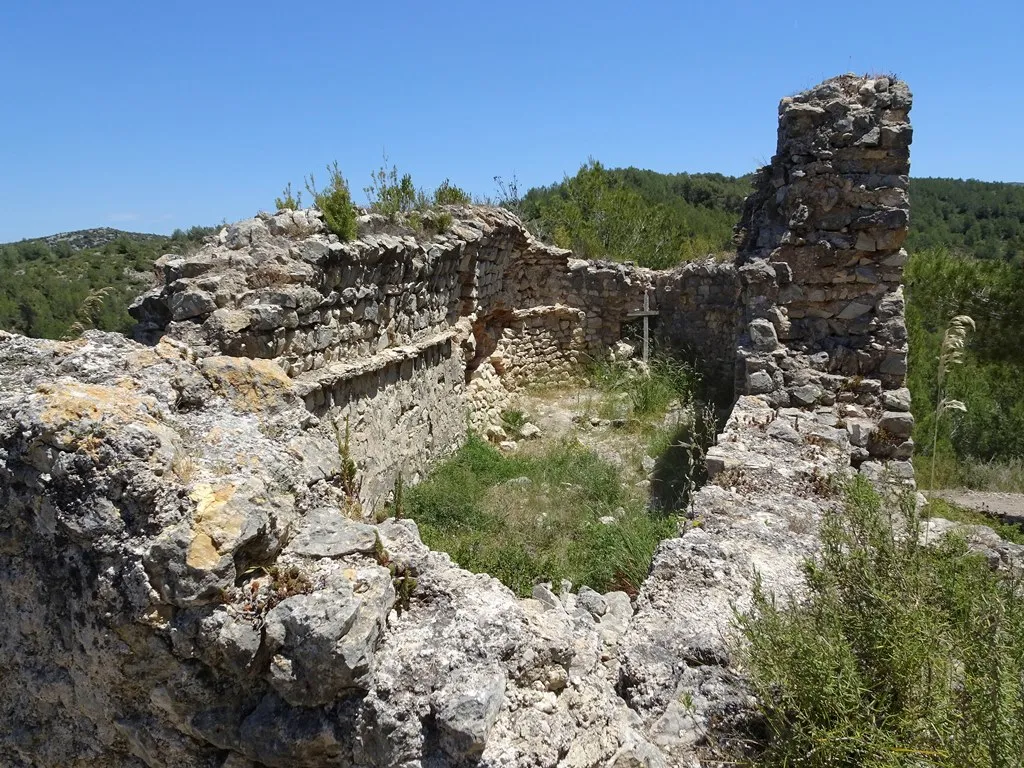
{"type": "Point", "coordinates": [951, 353]}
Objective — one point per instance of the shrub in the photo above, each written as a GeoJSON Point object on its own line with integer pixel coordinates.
{"type": "Point", "coordinates": [335, 203]}
{"type": "Point", "coordinates": [449, 194]}
{"type": "Point", "coordinates": [513, 421]}
{"type": "Point", "coordinates": [442, 221]}
{"type": "Point", "coordinates": [899, 654]}
{"type": "Point", "coordinates": [388, 194]}
{"type": "Point", "coordinates": [507, 195]}
{"type": "Point", "coordinates": [288, 201]}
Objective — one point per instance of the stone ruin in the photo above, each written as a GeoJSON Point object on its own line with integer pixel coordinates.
{"type": "Point", "coordinates": [180, 587]}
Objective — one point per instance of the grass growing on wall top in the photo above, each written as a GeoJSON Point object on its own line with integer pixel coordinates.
{"type": "Point", "coordinates": [531, 518]}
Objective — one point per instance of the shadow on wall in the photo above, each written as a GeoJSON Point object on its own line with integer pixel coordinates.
{"type": "Point", "coordinates": [487, 331]}
{"type": "Point", "coordinates": [680, 471]}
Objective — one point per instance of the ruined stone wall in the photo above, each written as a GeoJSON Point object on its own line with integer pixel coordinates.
{"type": "Point", "coordinates": [813, 299]}
{"type": "Point", "coordinates": [829, 217]}
{"type": "Point", "coordinates": [821, 261]}
{"type": "Point", "coordinates": [399, 410]}
{"type": "Point", "coordinates": [606, 292]}
{"type": "Point", "coordinates": [700, 316]}
{"type": "Point", "coordinates": [407, 337]}
{"type": "Point", "coordinates": [180, 584]}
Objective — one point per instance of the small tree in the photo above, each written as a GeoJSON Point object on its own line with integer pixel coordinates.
{"type": "Point", "coordinates": [335, 203]}
{"type": "Point", "coordinates": [388, 194]}
{"type": "Point", "coordinates": [448, 194]}
{"type": "Point", "coordinates": [287, 201]}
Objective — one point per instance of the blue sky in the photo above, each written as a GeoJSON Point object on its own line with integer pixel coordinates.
{"type": "Point", "coordinates": [151, 116]}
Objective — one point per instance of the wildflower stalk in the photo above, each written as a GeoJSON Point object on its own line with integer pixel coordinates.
{"type": "Point", "coordinates": [951, 353]}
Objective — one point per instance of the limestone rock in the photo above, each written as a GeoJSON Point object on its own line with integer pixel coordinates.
{"type": "Point", "coordinates": [183, 582]}
{"type": "Point", "coordinates": [897, 423]}
{"type": "Point", "coordinates": [529, 431]}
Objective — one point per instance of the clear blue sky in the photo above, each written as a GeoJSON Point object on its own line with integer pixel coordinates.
{"type": "Point", "coordinates": [150, 116]}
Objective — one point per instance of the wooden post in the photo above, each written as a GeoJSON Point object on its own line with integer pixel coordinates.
{"type": "Point", "coordinates": [646, 314]}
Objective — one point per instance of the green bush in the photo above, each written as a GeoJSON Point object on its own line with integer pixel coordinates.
{"type": "Point", "coordinates": [335, 203]}
{"type": "Point", "coordinates": [526, 519]}
{"type": "Point", "coordinates": [899, 653]}
{"type": "Point", "coordinates": [390, 195]}
{"type": "Point", "coordinates": [448, 194]}
{"type": "Point", "coordinates": [649, 395]}
{"type": "Point", "coordinates": [513, 420]}
{"type": "Point", "coordinates": [288, 201]}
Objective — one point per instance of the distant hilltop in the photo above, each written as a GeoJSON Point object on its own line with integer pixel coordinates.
{"type": "Point", "coordinates": [84, 239]}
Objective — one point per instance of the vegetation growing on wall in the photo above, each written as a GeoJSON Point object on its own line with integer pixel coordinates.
{"type": "Point", "coordinates": [335, 202]}
{"type": "Point", "coordinates": [449, 194]}
{"type": "Point", "coordinates": [390, 194]}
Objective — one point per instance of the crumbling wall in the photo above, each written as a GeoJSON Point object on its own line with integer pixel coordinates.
{"type": "Point", "coordinates": [700, 315]}
{"type": "Point", "coordinates": [810, 313]}
{"type": "Point", "coordinates": [819, 368]}
{"type": "Point", "coordinates": [406, 338]}
{"type": "Point", "coordinates": [179, 581]}
{"type": "Point", "coordinates": [821, 262]}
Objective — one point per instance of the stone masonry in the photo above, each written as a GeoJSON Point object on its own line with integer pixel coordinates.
{"type": "Point", "coordinates": [183, 581]}
{"type": "Point", "coordinates": [403, 339]}
{"type": "Point", "coordinates": [821, 261]}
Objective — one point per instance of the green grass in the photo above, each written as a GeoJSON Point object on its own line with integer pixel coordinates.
{"type": "Point", "coordinates": [1002, 475]}
{"type": "Point", "coordinates": [638, 397]}
{"type": "Point", "coordinates": [899, 654]}
{"type": "Point", "coordinates": [531, 518]}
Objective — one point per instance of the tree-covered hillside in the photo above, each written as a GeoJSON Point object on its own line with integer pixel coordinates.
{"type": "Point", "coordinates": [45, 290]}
{"type": "Point", "coordinates": [980, 218]}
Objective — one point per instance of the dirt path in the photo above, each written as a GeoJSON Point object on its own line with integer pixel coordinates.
{"type": "Point", "coordinates": [1007, 506]}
